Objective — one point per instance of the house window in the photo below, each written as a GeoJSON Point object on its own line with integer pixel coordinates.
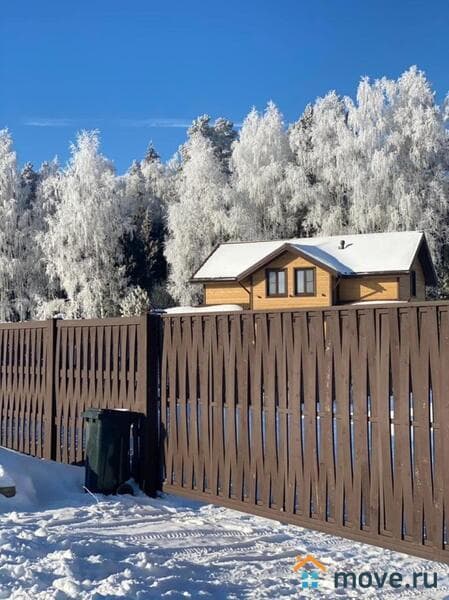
{"type": "Point", "coordinates": [305, 282]}
{"type": "Point", "coordinates": [276, 282]}
{"type": "Point", "coordinates": [412, 283]}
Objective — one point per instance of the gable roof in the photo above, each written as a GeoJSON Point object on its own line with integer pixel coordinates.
{"type": "Point", "coordinates": [363, 254]}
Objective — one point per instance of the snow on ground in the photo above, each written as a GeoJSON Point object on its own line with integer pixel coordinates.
{"type": "Point", "coordinates": [58, 542]}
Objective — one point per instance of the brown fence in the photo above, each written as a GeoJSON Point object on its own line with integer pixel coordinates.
{"type": "Point", "coordinates": [51, 371]}
{"type": "Point", "coordinates": [25, 403]}
{"type": "Point", "coordinates": [334, 419]}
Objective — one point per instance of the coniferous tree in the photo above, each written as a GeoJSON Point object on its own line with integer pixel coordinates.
{"type": "Point", "coordinates": [143, 245]}
{"type": "Point", "coordinates": [31, 278]}
{"type": "Point", "coordinates": [221, 134]}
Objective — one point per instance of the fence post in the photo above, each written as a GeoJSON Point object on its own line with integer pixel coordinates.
{"type": "Point", "coordinates": [49, 449]}
{"type": "Point", "coordinates": [148, 391]}
{"type": "Point", "coordinates": [153, 403]}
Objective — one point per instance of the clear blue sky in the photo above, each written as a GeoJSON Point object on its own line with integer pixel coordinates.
{"type": "Point", "coordinates": [140, 70]}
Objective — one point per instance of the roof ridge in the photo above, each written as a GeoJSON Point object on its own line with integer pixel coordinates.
{"type": "Point", "coordinates": [253, 242]}
{"type": "Point", "coordinates": [318, 237]}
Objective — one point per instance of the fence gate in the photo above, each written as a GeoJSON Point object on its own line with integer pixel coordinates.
{"type": "Point", "coordinates": [334, 419]}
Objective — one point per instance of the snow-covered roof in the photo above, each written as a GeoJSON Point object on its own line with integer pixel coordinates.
{"type": "Point", "coordinates": [369, 253]}
{"type": "Point", "coordinates": [179, 310]}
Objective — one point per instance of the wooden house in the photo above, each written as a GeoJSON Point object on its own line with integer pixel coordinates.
{"type": "Point", "coordinates": [318, 272]}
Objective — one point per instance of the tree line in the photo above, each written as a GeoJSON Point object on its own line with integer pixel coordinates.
{"type": "Point", "coordinates": [82, 241]}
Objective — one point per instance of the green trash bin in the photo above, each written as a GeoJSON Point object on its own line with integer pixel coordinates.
{"type": "Point", "coordinates": [111, 449]}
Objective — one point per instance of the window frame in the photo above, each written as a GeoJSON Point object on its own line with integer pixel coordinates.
{"type": "Point", "coordinates": [267, 283]}
{"type": "Point", "coordinates": [304, 294]}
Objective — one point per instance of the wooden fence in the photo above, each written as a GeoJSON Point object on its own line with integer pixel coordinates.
{"type": "Point", "coordinates": [334, 419]}
{"type": "Point", "coordinates": [51, 371]}
{"type": "Point", "coordinates": [25, 402]}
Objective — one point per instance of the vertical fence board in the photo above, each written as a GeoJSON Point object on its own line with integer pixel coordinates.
{"type": "Point", "coordinates": [443, 447]}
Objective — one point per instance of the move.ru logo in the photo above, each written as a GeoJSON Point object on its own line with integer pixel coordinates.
{"type": "Point", "coordinates": [310, 576]}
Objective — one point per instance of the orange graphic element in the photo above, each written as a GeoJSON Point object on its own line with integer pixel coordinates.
{"type": "Point", "coordinates": [300, 562]}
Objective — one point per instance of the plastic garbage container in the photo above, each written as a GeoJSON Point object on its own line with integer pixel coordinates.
{"type": "Point", "coordinates": [111, 449]}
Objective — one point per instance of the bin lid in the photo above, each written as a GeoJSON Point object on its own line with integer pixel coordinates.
{"type": "Point", "coordinates": [107, 413]}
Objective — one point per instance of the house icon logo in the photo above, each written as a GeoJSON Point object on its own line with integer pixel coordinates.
{"type": "Point", "coordinates": [310, 569]}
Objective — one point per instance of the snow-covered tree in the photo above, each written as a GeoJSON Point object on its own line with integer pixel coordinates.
{"type": "Point", "coordinates": [47, 197]}
{"type": "Point", "coordinates": [146, 266]}
{"type": "Point", "coordinates": [221, 134]}
{"type": "Point", "coordinates": [11, 236]}
{"type": "Point", "coordinates": [24, 282]}
{"type": "Point", "coordinates": [376, 164]}
{"type": "Point", "coordinates": [48, 192]}
{"type": "Point", "coordinates": [30, 278]}
{"type": "Point", "coordinates": [135, 302]}
{"type": "Point", "coordinates": [401, 157]}
{"type": "Point", "coordinates": [197, 221]}
{"type": "Point", "coordinates": [82, 244]}
{"type": "Point", "coordinates": [29, 180]}
{"type": "Point", "coordinates": [262, 198]}
{"type": "Point", "coordinates": [319, 141]}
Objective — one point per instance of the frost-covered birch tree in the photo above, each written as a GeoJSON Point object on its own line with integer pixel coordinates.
{"type": "Point", "coordinates": [197, 220]}
{"type": "Point", "coordinates": [399, 175]}
{"type": "Point", "coordinates": [24, 282]}
{"type": "Point", "coordinates": [319, 141]}
{"type": "Point", "coordinates": [378, 163]}
{"type": "Point", "coordinates": [82, 244]}
{"type": "Point", "coordinates": [262, 199]}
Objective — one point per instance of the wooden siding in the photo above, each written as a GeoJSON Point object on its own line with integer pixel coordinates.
{"type": "Point", "coordinates": [291, 262]}
{"type": "Point", "coordinates": [253, 294]}
{"type": "Point", "coordinates": [420, 281]}
{"type": "Point", "coordinates": [227, 292]}
{"type": "Point", "coordinates": [404, 284]}
{"type": "Point", "coordinates": [357, 289]}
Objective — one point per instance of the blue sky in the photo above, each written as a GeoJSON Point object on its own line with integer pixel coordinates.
{"type": "Point", "coordinates": [141, 70]}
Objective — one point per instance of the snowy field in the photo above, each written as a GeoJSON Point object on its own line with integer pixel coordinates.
{"type": "Point", "coordinates": [58, 542]}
